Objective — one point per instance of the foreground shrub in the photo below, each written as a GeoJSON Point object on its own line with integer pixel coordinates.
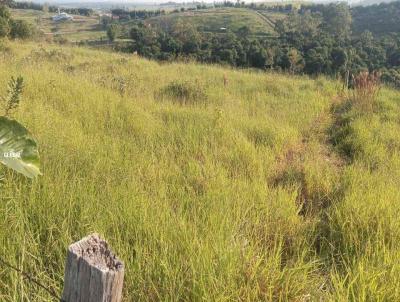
{"type": "Point", "coordinates": [20, 29]}
{"type": "Point", "coordinates": [4, 47]}
{"type": "Point", "coordinates": [366, 87]}
{"type": "Point", "coordinates": [184, 93]}
{"type": "Point", "coordinates": [15, 29]}
{"type": "Point", "coordinates": [4, 27]}
{"type": "Point", "coordinates": [52, 55]}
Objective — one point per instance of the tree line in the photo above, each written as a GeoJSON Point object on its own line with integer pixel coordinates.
{"type": "Point", "coordinates": [313, 39]}
{"type": "Point", "coordinates": [136, 14]}
{"type": "Point", "coordinates": [50, 8]}
{"type": "Point", "coordinates": [379, 18]}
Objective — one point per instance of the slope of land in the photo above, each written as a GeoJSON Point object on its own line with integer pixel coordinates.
{"type": "Point", "coordinates": [212, 184]}
{"type": "Point", "coordinates": [212, 20]}
{"type": "Point", "coordinates": [82, 28]}
{"type": "Point", "coordinates": [378, 19]}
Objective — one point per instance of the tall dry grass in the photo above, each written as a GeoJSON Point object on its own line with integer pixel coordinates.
{"type": "Point", "coordinates": [366, 86]}
{"type": "Point", "coordinates": [183, 190]}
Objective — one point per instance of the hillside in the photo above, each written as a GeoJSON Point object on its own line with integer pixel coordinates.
{"type": "Point", "coordinates": [80, 29]}
{"type": "Point", "coordinates": [372, 2]}
{"type": "Point", "coordinates": [212, 20]}
{"type": "Point", "coordinates": [212, 184]}
{"type": "Point", "coordinates": [379, 19]}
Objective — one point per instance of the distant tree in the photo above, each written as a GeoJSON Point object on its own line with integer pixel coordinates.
{"type": "Point", "coordinates": [366, 38]}
{"type": "Point", "coordinates": [317, 61]}
{"type": "Point", "coordinates": [112, 31]}
{"type": "Point", "coordinates": [85, 12]}
{"type": "Point", "coordinates": [4, 21]}
{"type": "Point", "coordinates": [118, 12]}
{"type": "Point", "coordinates": [295, 60]}
{"type": "Point", "coordinates": [379, 19]}
{"type": "Point", "coordinates": [187, 35]}
{"type": "Point", "coordinates": [313, 39]}
{"type": "Point", "coordinates": [105, 22]}
{"type": "Point", "coordinates": [169, 45]}
{"type": "Point", "coordinates": [337, 19]}
{"type": "Point", "coordinates": [339, 59]}
{"type": "Point", "coordinates": [226, 49]}
{"type": "Point", "coordinates": [146, 41]}
{"type": "Point", "coordinates": [45, 7]}
{"type": "Point", "coordinates": [257, 55]}
{"type": "Point", "coordinates": [244, 32]}
{"type": "Point", "coordinates": [280, 27]}
{"type": "Point", "coordinates": [4, 12]}
{"type": "Point", "coordinates": [299, 30]}
{"type": "Point", "coordinates": [370, 51]}
{"type": "Point", "coordinates": [394, 57]}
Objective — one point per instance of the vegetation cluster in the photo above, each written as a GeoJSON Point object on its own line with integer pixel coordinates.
{"type": "Point", "coordinates": [311, 39]}
{"type": "Point", "coordinates": [16, 29]}
{"type": "Point", "coordinates": [135, 14]}
{"type": "Point", "coordinates": [298, 38]}
{"type": "Point", "coordinates": [49, 8]}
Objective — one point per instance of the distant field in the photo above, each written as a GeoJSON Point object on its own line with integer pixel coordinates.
{"type": "Point", "coordinates": [270, 17]}
{"type": "Point", "coordinates": [212, 20]}
{"type": "Point", "coordinates": [81, 28]}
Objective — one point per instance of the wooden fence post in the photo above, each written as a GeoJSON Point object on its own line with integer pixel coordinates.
{"type": "Point", "coordinates": [92, 272]}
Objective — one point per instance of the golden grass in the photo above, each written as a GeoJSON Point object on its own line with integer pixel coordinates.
{"type": "Point", "coordinates": [183, 192]}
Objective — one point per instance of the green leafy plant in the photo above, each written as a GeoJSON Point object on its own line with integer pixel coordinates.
{"type": "Point", "coordinates": [18, 149]}
{"type": "Point", "coordinates": [14, 92]}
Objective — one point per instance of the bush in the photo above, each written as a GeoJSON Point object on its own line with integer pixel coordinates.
{"type": "Point", "coordinates": [4, 11]}
{"type": "Point", "coordinates": [4, 27]}
{"type": "Point", "coordinates": [20, 29]}
{"type": "Point", "coordinates": [184, 93]}
{"type": "Point", "coordinates": [60, 40]}
{"type": "Point", "coordinates": [112, 32]}
{"type": "Point", "coordinates": [366, 87]}
{"type": "Point", "coordinates": [392, 77]}
{"type": "Point", "coordinates": [43, 55]}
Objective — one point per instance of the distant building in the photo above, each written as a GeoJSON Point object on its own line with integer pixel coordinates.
{"type": "Point", "coordinates": [62, 17]}
{"type": "Point", "coordinates": [105, 15]}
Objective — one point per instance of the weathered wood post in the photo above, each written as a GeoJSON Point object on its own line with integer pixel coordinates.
{"type": "Point", "coordinates": [92, 272]}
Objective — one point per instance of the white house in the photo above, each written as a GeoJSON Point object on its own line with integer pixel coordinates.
{"type": "Point", "coordinates": [62, 17]}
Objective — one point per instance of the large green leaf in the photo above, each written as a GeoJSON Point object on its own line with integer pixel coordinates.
{"type": "Point", "coordinates": [18, 149]}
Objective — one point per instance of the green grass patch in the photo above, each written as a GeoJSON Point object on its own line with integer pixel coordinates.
{"type": "Point", "coordinates": [203, 203]}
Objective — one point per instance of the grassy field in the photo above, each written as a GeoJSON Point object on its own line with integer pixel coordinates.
{"type": "Point", "coordinates": [261, 23]}
{"type": "Point", "coordinates": [212, 20]}
{"type": "Point", "coordinates": [271, 18]}
{"type": "Point", "coordinates": [212, 184]}
{"type": "Point", "coordinates": [80, 29]}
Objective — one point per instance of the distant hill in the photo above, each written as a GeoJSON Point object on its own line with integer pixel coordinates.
{"type": "Point", "coordinates": [220, 19]}
{"type": "Point", "coordinates": [371, 2]}
{"type": "Point", "coordinates": [382, 18]}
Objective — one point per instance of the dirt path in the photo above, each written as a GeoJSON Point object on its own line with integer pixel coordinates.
{"type": "Point", "coordinates": [313, 154]}
{"type": "Point", "coordinates": [266, 19]}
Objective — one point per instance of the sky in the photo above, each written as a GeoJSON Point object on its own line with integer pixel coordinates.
{"type": "Point", "coordinates": [136, 1]}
